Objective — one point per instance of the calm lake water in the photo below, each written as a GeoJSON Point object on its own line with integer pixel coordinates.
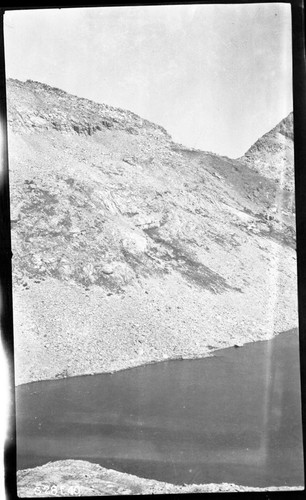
{"type": "Point", "coordinates": [234, 417]}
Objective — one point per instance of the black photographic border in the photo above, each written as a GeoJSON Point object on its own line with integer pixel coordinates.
{"type": "Point", "coordinates": [299, 112]}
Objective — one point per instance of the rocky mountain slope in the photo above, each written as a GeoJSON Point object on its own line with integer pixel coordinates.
{"type": "Point", "coordinates": [129, 248]}
{"type": "Point", "coordinates": [273, 155]}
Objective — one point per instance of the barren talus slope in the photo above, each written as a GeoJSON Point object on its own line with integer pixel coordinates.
{"type": "Point", "coordinates": [129, 248]}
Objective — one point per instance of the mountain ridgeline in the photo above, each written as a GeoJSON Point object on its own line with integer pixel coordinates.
{"type": "Point", "coordinates": [131, 248]}
{"type": "Point", "coordinates": [273, 155]}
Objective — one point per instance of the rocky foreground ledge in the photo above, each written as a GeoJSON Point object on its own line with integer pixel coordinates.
{"type": "Point", "coordinates": [80, 478]}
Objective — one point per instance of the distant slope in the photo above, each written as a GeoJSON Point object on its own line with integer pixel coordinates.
{"type": "Point", "coordinates": [129, 248]}
{"type": "Point", "coordinates": [273, 154]}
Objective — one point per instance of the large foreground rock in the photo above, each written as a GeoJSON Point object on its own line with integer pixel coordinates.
{"type": "Point", "coordinates": [80, 478]}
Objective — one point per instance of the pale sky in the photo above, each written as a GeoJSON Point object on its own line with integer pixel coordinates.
{"type": "Point", "coordinates": [217, 77]}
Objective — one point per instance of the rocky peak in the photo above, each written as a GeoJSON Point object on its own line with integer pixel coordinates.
{"type": "Point", "coordinates": [285, 127]}
{"type": "Point", "coordinates": [273, 156]}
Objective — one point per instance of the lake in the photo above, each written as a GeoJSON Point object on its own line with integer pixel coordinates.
{"type": "Point", "coordinates": [232, 417]}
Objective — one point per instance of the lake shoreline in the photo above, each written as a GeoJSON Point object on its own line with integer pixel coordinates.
{"type": "Point", "coordinates": [130, 364]}
{"type": "Point", "coordinates": [62, 330]}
